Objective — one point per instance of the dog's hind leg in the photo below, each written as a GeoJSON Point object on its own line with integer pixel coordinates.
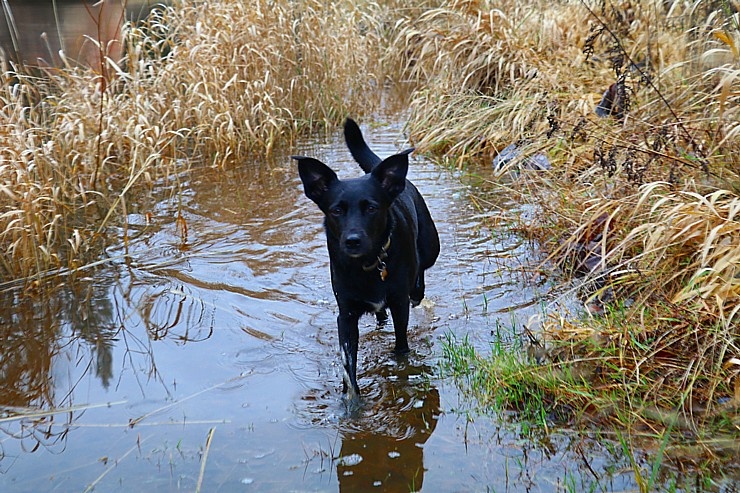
{"type": "Point", "coordinates": [427, 241]}
{"type": "Point", "coordinates": [381, 317]}
{"type": "Point", "coordinates": [417, 292]}
{"type": "Point", "coordinates": [400, 314]}
{"type": "Point", "coordinates": [427, 244]}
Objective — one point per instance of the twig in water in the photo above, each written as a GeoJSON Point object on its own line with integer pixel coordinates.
{"type": "Point", "coordinates": [203, 461]}
{"type": "Point", "coordinates": [113, 464]}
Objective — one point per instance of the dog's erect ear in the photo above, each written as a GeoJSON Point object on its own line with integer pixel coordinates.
{"type": "Point", "coordinates": [391, 173]}
{"type": "Point", "coordinates": [316, 177]}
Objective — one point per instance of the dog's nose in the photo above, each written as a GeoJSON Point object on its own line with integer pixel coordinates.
{"type": "Point", "coordinates": [353, 242]}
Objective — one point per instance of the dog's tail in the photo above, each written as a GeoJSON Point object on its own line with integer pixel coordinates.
{"type": "Point", "coordinates": [366, 158]}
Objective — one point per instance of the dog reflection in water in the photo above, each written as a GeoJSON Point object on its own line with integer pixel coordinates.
{"type": "Point", "coordinates": [383, 449]}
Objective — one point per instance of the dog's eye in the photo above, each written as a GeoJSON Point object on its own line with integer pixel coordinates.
{"type": "Point", "coordinates": [371, 209]}
{"type": "Point", "coordinates": [336, 211]}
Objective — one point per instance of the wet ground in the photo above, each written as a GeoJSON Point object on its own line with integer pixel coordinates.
{"type": "Point", "coordinates": [205, 351]}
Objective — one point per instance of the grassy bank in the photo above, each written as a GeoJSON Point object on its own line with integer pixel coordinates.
{"type": "Point", "coordinates": [215, 83]}
{"type": "Point", "coordinates": [640, 209]}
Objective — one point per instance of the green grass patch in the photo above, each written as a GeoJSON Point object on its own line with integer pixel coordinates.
{"type": "Point", "coordinates": [625, 384]}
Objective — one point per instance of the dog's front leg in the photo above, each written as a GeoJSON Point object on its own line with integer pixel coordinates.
{"type": "Point", "coordinates": [349, 335]}
{"type": "Point", "coordinates": [400, 313]}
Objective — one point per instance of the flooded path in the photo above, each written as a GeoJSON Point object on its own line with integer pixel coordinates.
{"type": "Point", "coordinates": [224, 324]}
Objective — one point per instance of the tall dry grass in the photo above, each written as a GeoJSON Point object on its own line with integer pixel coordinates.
{"type": "Point", "coordinates": [491, 73]}
{"type": "Point", "coordinates": [645, 201]}
{"type": "Point", "coordinates": [245, 75]}
{"type": "Point", "coordinates": [214, 82]}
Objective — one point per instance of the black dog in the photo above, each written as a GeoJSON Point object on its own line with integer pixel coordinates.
{"type": "Point", "coordinates": [381, 239]}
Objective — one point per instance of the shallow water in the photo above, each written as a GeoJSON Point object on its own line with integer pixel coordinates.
{"type": "Point", "coordinates": [229, 327]}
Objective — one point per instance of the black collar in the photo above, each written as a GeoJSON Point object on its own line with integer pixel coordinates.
{"type": "Point", "coordinates": [380, 260]}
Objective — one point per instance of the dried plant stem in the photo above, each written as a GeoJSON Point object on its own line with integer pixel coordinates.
{"type": "Point", "coordinates": [203, 460]}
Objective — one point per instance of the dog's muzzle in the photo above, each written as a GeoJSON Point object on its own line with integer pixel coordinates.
{"type": "Point", "coordinates": [355, 245]}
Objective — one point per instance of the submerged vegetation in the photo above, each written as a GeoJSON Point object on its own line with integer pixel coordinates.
{"type": "Point", "coordinates": [640, 206]}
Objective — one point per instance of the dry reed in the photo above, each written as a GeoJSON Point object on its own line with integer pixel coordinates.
{"type": "Point", "coordinates": [215, 82]}
{"type": "Point", "coordinates": [643, 202]}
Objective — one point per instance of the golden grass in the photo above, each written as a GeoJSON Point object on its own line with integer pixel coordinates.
{"type": "Point", "coordinates": [519, 68]}
{"type": "Point", "coordinates": [245, 75]}
{"type": "Point", "coordinates": [673, 260]}
{"type": "Point", "coordinates": [648, 202]}
{"type": "Point", "coordinates": [216, 82]}
{"type": "Point", "coordinates": [691, 242]}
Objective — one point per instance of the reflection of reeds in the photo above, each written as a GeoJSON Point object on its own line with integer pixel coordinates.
{"type": "Point", "coordinates": [114, 464]}
{"type": "Point", "coordinates": [220, 82]}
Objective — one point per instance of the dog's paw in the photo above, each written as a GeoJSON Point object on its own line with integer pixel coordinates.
{"type": "Point", "coordinates": [426, 303]}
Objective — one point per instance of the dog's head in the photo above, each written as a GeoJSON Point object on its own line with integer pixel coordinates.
{"type": "Point", "coordinates": [356, 210]}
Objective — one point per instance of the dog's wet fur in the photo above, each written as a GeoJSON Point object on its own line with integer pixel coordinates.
{"type": "Point", "coordinates": [381, 238]}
